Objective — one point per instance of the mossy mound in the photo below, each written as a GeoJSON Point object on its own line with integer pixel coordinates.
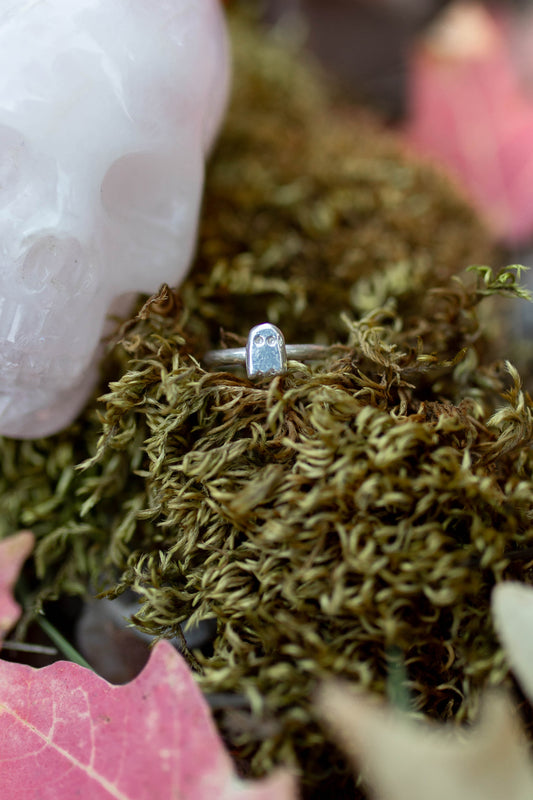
{"type": "Point", "coordinates": [335, 520]}
{"type": "Point", "coordinates": [332, 520]}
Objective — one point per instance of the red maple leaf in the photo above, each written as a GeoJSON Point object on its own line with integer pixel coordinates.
{"type": "Point", "coordinates": [67, 733]}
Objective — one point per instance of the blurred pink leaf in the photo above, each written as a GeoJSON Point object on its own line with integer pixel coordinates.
{"type": "Point", "coordinates": [13, 553]}
{"type": "Point", "coordinates": [469, 112]}
{"type": "Point", "coordinates": [67, 733]}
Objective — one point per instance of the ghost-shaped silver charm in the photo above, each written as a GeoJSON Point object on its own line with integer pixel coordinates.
{"type": "Point", "coordinates": [265, 351]}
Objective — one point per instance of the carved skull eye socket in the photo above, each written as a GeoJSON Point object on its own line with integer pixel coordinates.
{"type": "Point", "coordinates": [259, 340]}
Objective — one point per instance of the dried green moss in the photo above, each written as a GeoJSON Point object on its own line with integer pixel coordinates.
{"type": "Point", "coordinates": [325, 519]}
{"type": "Point", "coordinates": [330, 515]}
{"type": "Point", "coordinates": [349, 510]}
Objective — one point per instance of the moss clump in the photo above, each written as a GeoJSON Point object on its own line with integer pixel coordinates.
{"type": "Point", "coordinates": [331, 517]}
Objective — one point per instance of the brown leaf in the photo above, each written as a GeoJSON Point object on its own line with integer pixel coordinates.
{"type": "Point", "coordinates": [402, 759]}
{"type": "Point", "coordinates": [512, 608]}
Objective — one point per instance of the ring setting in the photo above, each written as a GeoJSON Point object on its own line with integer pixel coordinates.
{"type": "Point", "coordinates": [265, 354]}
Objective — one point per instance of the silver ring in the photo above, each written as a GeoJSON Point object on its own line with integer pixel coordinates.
{"type": "Point", "coordinates": [265, 353]}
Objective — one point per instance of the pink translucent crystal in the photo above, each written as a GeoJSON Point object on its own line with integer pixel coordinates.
{"type": "Point", "coordinates": [108, 109]}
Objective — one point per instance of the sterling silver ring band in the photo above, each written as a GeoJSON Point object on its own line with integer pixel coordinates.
{"type": "Point", "coordinates": [265, 353]}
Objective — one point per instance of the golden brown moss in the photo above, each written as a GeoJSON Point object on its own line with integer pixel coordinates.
{"type": "Point", "coordinates": [331, 517]}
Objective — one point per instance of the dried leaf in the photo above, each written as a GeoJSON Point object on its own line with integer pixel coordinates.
{"type": "Point", "coordinates": [68, 733]}
{"type": "Point", "coordinates": [406, 760]}
{"type": "Point", "coordinates": [512, 608]}
{"type": "Point", "coordinates": [13, 552]}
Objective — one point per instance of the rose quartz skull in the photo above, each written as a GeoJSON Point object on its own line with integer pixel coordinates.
{"type": "Point", "coordinates": [108, 109]}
